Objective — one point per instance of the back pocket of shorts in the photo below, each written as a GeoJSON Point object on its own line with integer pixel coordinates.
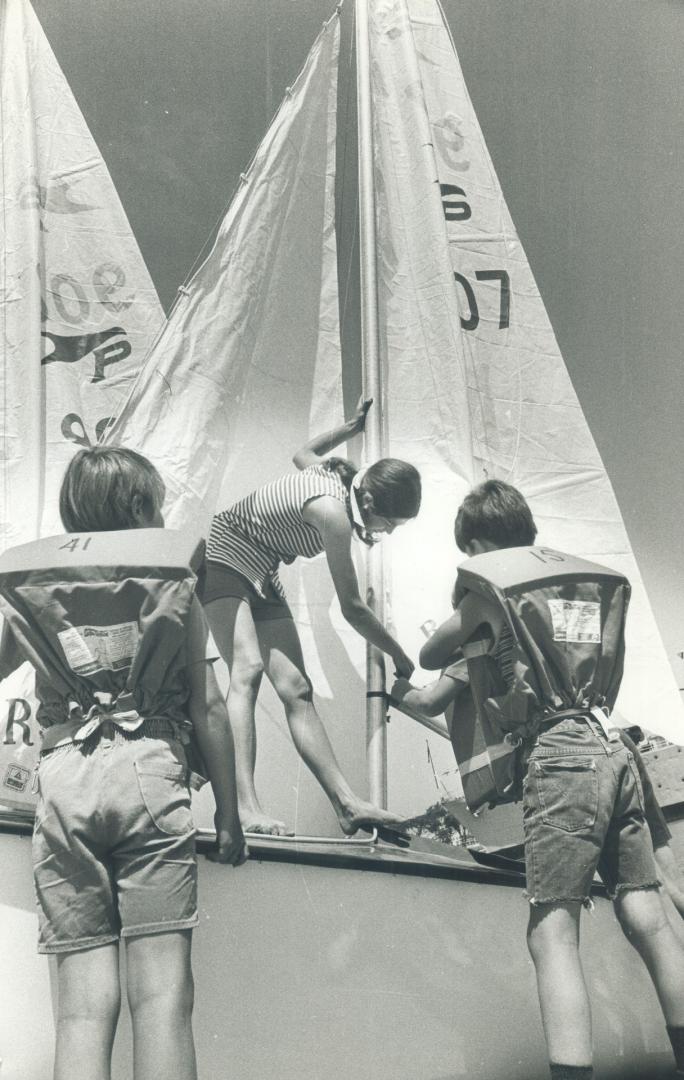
{"type": "Point", "coordinates": [164, 790]}
{"type": "Point", "coordinates": [568, 792]}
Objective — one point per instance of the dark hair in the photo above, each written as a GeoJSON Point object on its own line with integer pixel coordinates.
{"type": "Point", "coordinates": [394, 485]}
{"type": "Point", "coordinates": [99, 486]}
{"type": "Point", "coordinates": [497, 512]}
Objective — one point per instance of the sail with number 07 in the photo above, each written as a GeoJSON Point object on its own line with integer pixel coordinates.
{"type": "Point", "coordinates": [476, 386]}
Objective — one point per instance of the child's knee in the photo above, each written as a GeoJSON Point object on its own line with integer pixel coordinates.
{"type": "Point", "coordinates": [294, 689]}
{"type": "Point", "coordinates": [640, 912]}
{"type": "Point", "coordinates": [246, 676]}
{"type": "Point", "coordinates": [101, 1008]}
{"type": "Point", "coordinates": [173, 998]}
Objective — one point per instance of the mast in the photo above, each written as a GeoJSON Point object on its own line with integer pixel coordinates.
{"type": "Point", "coordinates": [374, 436]}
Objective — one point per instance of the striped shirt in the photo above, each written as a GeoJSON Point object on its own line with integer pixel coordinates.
{"type": "Point", "coordinates": [266, 528]}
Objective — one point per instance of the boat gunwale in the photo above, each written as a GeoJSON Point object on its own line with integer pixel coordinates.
{"type": "Point", "coordinates": [340, 854]}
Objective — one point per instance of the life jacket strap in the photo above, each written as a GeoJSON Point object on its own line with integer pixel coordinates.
{"type": "Point", "coordinates": [582, 712]}
{"type": "Point", "coordinates": [476, 648]}
{"type": "Point", "coordinates": [106, 708]}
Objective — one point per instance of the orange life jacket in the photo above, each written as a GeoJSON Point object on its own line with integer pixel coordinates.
{"type": "Point", "coordinates": [564, 620]}
{"type": "Point", "coordinates": [103, 618]}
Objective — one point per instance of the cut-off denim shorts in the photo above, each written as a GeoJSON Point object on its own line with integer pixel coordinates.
{"type": "Point", "coordinates": [583, 813]}
{"type": "Point", "coordinates": [114, 841]}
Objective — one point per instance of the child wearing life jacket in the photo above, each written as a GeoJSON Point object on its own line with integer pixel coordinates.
{"type": "Point", "coordinates": [318, 509]}
{"type": "Point", "coordinates": [558, 643]}
{"type": "Point", "coordinates": [118, 641]}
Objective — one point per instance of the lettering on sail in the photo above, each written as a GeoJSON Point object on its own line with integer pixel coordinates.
{"type": "Point", "coordinates": [458, 209]}
{"type": "Point", "coordinates": [74, 430]}
{"type": "Point", "coordinates": [18, 719]}
{"type": "Point", "coordinates": [69, 348]}
{"type": "Point", "coordinates": [54, 198]}
{"type": "Point", "coordinates": [73, 306]}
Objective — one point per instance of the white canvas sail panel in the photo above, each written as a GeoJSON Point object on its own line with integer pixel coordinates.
{"type": "Point", "coordinates": [257, 321]}
{"type": "Point", "coordinates": [246, 371]}
{"type": "Point", "coordinates": [79, 310]}
{"type": "Point", "coordinates": [526, 425]}
{"type": "Point", "coordinates": [78, 313]}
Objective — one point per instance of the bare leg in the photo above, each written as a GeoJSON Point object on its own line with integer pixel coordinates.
{"type": "Point", "coordinates": [160, 995]}
{"type": "Point", "coordinates": [88, 1002]}
{"type": "Point", "coordinates": [646, 926]}
{"type": "Point", "coordinates": [282, 654]}
{"type": "Point", "coordinates": [232, 625]}
{"type": "Point", "coordinates": [553, 941]}
{"type": "Point", "coordinates": [671, 875]}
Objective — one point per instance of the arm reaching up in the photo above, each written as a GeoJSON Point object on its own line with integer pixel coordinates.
{"type": "Point", "coordinates": [313, 451]}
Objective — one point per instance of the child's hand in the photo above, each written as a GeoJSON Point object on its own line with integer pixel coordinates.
{"type": "Point", "coordinates": [357, 422]}
{"type": "Point", "coordinates": [230, 841]}
{"type": "Point", "coordinates": [400, 689]}
{"type": "Point", "coordinates": [403, 664]}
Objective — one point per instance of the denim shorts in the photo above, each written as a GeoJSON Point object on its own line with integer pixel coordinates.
{"type": "Point", "coordinates": [583, 813]}
{"type": "Point", "coordinates": [114, 841]}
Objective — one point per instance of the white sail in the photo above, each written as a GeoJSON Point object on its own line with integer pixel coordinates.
{"type": "Point", "coordinates": [258, 320]}
{"type": "Point", "coordinates": [247, 369]}
{"type": "Point", "coordinates": [79, 312]}
{"type": "Point", "coordinates": [465, 330]}
{"type": "Point", "coordinates": [79, 308]}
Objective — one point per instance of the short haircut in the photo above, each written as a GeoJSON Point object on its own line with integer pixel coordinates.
{"type": "Point", "coordinates": [395, 487]}
{"type": "Point", "coordinates": [99, 486]}
{"type": "Point", "coordinates": [497, 512]}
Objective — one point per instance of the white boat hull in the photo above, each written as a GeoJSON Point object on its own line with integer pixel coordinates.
{"type": "Point", "coordinates": [352, 965]}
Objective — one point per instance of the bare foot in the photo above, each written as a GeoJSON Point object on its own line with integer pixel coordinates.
{"type": "Point", "coordinates": [263, 825]}
{"type": "Point", "coordinates": [363, 815]}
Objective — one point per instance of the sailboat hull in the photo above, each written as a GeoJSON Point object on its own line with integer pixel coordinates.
{"type": "Point", "coordinates": [357, 965]}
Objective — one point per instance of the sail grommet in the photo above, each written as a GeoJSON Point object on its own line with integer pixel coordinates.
{"type": "Point", "coordinates": [243, 178]}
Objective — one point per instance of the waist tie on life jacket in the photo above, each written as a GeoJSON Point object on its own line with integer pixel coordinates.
{"type": "Point", "coordinates": [117, 710]}
{"type": "Point", "coordinates": [112, 710]}
{"type": "Point", "coordinates": [610, 731]}
{"type": "Point", "coordinates": [106, 708]}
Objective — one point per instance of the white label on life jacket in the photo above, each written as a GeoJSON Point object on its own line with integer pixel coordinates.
{"type": "Point", "coordinates": [576, 620]}
{"type": "Point", "coordinates": [98, 648]}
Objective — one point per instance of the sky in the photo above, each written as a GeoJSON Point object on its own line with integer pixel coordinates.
{"type": "Point", "coordinates": [580, 104]}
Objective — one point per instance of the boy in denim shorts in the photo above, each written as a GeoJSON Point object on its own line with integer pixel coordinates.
{"type": "Point", "coordinates": [583, 804]}
{"type": "Point", "coordinates": [122, 680]}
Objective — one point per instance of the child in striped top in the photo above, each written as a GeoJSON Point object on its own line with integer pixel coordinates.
{"type": "Point", "coordinates": [300, 515]}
